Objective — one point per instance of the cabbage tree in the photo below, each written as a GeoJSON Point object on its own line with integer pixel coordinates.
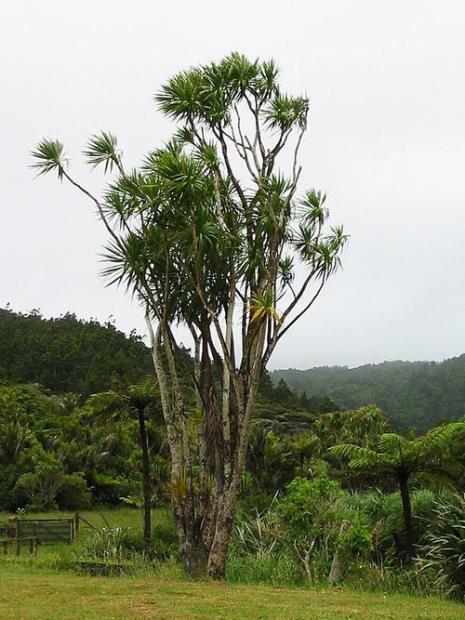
{"type": "Point", "coordinates": [211, 232]}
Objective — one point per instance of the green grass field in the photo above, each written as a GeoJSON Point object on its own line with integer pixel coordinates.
{"type": "Point", "coordinates": [29, 593]}
{"type": "Point", "coordinates": [115, 517]}
{"type": "Point", "coordinates": [40, 588]}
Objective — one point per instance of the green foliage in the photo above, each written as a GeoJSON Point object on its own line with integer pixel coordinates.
{"type": "Point", "coordinates": [274, 569]}
{"type": "Point", "coordinates": [400, 457]}
{"type": "Point", "coordinates": [53, 451]}
{"type": "Point", "coordinates": [69, 355]}
{"type": "Point", "coordinates": [49, 157]}
{"type": "Point", "coordinates": [165, 539]}
{"type": "Point", "coordinates": [109, 489]}
{"type": "Point", "coordinates": [442, 551]}
{"type": "Point", "coordinates": [304, 529]}
{"type": "Point", "coordinates": [37, 491]}
{"type": "Point", "coordinates": [101, 149]}
{"type": "Point", "coordinates": [303, 500]}
{"type": "Point", "coordinates": [316, 516]}
{"type": "Point", "coordinates": [361, 427]}
{"type": "Point", "coordinates": [384, 511]}
{"type": "Point", "coordinates": [416, 395]}
{"type": "Point", "coordinates": [73, 493]}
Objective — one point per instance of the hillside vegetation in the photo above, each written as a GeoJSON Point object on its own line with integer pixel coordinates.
{"type": "Point", "coordinates": [67, 354]}
{"type": "Point", "coordinates": [327, 496]}
{"type": "Point", "coordinates": [411, 394]}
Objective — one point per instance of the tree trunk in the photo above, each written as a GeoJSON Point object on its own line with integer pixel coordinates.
{"type": "Point", "coordinates": [337, 565]}
{"type": "Point", "coordinates": [220, 544]}
{"type": "Point", "coordinates": [407, 514]}
{"type": "Point", "coordinates": [204, 509]}
{"type": "Point", "coordinates": [146, 486]}
{"type": "Point", "coordinates": [194, 559]}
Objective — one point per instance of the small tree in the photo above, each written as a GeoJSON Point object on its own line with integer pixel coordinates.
{"type": "Point", "coordinates": [399, 458]}
{"type": "Point", "coordinates": [208, 233]}
{"type": "Point", "coordinates": [137, 400]}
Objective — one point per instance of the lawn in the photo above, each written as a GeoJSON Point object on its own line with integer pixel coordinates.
{"type": "Point", "coordinates": [40, 588]}
{"type": "Point", "coordinates": [28, 593]}
{"type": "Point", "coordinates": [115, 517]}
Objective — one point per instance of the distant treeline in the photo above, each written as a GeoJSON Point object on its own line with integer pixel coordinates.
{"type": "Point", "coordinates": [415, 395]}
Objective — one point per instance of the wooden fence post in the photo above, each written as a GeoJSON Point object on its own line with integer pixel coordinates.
{"type": "Point", "coordinates": [76, 524]}
{"type": "Point", "coordinates": [18, 543]}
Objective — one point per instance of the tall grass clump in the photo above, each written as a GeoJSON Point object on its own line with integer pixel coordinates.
{"type": "Point", "coordinates": [117, 549]}
{"type": "Point", "coordinates": [259, 553]}
{"type": "Point", "coordinates": [442, 552]}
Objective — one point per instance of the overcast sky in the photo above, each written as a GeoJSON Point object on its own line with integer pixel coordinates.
{"type": "Point", "coordinates": [386, 81]}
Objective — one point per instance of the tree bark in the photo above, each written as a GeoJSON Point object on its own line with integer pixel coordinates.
{"type": "Point", "coordinates": [218, 554]}
{"type": "Point", "coordinates": [194, 559]}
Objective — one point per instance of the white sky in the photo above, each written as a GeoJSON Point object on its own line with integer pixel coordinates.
{"type": "Point", "coordinates": [387, 142]}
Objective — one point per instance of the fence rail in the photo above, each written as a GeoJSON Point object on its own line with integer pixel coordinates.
{"type": "Point", "coordinates": [17, 542]}
{"type": "Point", "coordinates": [44, 531]}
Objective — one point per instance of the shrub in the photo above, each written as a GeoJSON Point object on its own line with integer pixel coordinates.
{"type": "Point", "coordinates": [303, 501]}
{"type": "Point", "coordinates": [164, 539]}
{"type": "Point", "coordinates": [318, 512]}
{"type": "Point", "coordinates": [37, 491]}
{"type": "Point", "coordinates": [311, 524]}
{"type": "Point", "coordinates": [109, 544]}
{"type": "Point", "coordinates": [442, 553]}
{"type": "Point", "coordinates": [110, 490]}
{"type": "Point", "coordinates": [73, 493]}
{"type": "Point", "coordinates": [384, 511]}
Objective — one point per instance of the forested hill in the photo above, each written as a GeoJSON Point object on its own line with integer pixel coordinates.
{"type": "Point", "coordinates": [67, 354]}
{"type": "Point", "coordinates": [411, 394]}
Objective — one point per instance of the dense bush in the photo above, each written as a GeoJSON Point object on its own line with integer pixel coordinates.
{"type": "Point", "coordinates": [73, 493]}
{"type": "Point", "coordinates": [110, 489]}
{"type": "Point", "coordinates": [37, 491]}
{"type": "Point", "coordinates": [442, 553]}
{"type": "Point", "coordinates": [312, 529]}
